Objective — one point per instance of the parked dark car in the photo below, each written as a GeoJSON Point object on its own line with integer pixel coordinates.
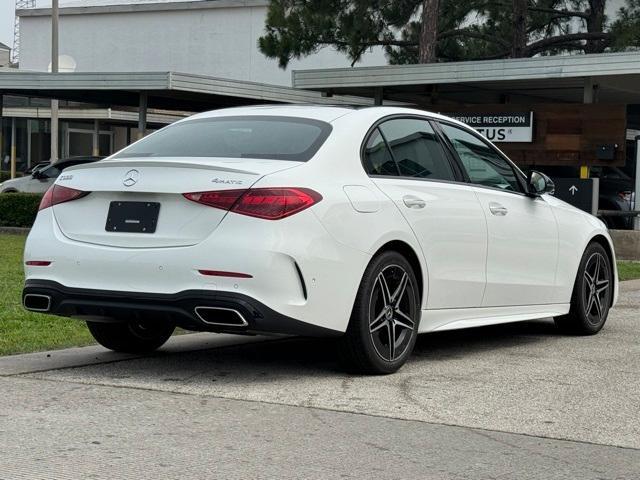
{"type": "Point", "coordinates": [42, 178]}
{"type": "Point", "coordinates": [616, 193]}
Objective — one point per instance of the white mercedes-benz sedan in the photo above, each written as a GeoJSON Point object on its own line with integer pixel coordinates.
{"type": "Point", "coordinates": [372, 224]}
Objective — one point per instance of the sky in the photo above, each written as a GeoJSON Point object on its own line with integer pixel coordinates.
{"type": "Point", "coordinates": [7, 15]}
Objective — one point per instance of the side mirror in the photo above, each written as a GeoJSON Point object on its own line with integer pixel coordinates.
{"type": "Point", "coordinates": [538, 184]}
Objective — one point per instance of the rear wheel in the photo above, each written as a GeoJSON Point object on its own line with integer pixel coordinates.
{"type": "Point", "coordinates": [592, 293]}
{"type": "Point", "coordinates": [384, 323]}
{"type": "Point", "coordinates": [135, 336]}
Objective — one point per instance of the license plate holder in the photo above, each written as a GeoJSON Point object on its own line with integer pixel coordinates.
{"type": "Point", "coordinates": [132, 217]}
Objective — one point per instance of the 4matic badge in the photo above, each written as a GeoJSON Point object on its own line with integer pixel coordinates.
{"type": "Point", "coordinates": [226, 181]}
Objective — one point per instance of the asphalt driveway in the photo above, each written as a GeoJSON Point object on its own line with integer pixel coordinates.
{"type": "Point", "coordinates": [515, 401]}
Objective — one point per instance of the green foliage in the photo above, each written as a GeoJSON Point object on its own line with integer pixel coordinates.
{"type": "Point", "coordinates": [467, 29]}
{"type": "Point", "coordinates": [628, 270]}
{"type": "Point", "coordinates": [626, 28]}
{"type": "Point", "coordinates": [18, 209]}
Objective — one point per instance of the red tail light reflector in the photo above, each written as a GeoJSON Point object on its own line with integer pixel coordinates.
{"type": "Point", "coordinates": [265, 203]}
{"type": "Point", "coordinates": [38, 263]}
{"type": "Point", "coordinates": [220, 273]}
{"type": "Point", "coordinates": [58, 194]}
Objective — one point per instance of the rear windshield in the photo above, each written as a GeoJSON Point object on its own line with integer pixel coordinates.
{"type": "Point", "coordinates": [277, 138]}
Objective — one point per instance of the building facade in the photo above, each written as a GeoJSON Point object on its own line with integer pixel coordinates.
{"type": "Point", "coordinates": [217, 38]}
{"type": "Point", "coordinates": [5, 55]}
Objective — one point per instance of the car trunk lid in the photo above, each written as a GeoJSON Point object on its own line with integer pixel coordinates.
{"type": "Point", "coordinates": [124, 187]}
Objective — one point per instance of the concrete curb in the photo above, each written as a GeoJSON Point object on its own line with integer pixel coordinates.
{"type": "Point", "coordinates": [14, 230]}
{"type": "Point", "coordinates": [24, 363]}
{"type": "Point", "coordinates": [630, 285]}
{"type": "Point", "coordinates": [626, 244]}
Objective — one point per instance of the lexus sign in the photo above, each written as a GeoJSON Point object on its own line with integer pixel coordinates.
{"type": "Point", "coordinates": [500, 127]}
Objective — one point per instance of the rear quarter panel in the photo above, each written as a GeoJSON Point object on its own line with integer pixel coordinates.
{"type": "Point", "coordinates": [337, 165]}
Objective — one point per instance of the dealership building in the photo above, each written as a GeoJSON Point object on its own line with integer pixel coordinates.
{"type": "Point", "coordinates": [128, 68]}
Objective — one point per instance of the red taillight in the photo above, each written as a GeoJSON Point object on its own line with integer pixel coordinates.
{"type": "Point", "coordinates": [58, 194]}
{"type": "Point", "coordinates": [223, 199]}
{"type": "Point", "coordinates": [266, 203]}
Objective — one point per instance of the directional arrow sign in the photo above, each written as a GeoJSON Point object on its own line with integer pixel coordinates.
{"type": "Point", "coordinates": [581, 193]}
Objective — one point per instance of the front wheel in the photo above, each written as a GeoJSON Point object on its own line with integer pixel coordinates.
{"type": "Point", "coordinates": [134, 336]}
{"type": "Point", "coordinates": [384, 323]}
{"type": "Point", "coordinates": [592, 293]}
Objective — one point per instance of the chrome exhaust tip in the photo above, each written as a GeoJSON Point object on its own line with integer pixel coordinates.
{"type": "Point", "coordinates": [221, 317]}
{"type": "Point", "coordinates": [36, 302]}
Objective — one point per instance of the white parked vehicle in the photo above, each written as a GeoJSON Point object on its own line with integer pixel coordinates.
{"type": "Point", "coordinates": [371, 224]}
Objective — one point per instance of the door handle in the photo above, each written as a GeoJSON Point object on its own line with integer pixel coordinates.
{"type": "Point", "coordinates": [412, 201]}
{"type": "Point", "coordinates": [497, 209]}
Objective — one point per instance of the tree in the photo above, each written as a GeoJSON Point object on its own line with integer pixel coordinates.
{"type": "Point", "coordinates": [425, 31]}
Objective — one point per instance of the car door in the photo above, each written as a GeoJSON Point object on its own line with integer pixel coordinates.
{"type": "Point", "coordinates": [523, 233]}
{"type": "Point", "coordinates": [407, 161]}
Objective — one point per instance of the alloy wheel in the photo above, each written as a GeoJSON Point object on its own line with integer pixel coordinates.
{"type": "Point", "coordinates": [595, 292]}
{"type": "Point", "coordinates": [392, 312]}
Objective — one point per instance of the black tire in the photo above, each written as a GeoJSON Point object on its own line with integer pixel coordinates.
{"type": "Point", "coordinates": [591, 296]}
{"type": "Point", "coordinates": [377, 315]}
{"type": "Point", "coordinates": [135, 336]}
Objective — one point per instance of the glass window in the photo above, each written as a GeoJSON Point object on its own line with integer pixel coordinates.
{"type": "Point", "coordinates": [276, 138]}
{"type": "Point", "coordinates": [377, 158]}
{"type": "Point", "coordinates": [483, 164]}
{"type": "Point", "coordinates": [50, 172]}
{"type": "Point", "coordinates": [416, 149]}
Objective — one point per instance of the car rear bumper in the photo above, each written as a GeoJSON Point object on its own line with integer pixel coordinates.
{"type": "Point", "coordinates": [191, 309]}
{"type": "Point", "coordinates": [293, 267]}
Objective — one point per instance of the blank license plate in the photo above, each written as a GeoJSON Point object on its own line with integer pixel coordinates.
{"type": "Point", "coordinates": [132, 217]}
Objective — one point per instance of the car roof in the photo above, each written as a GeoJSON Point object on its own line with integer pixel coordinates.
{"type": "Point", "coordinates": [315, 112]}
{"type": "Point", "coordinates": [80, 159]}
{"type": "Point", "coordinates": [326, 113]}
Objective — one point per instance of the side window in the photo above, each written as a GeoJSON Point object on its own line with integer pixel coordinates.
{"type": "Point", "coordinates": [50, 172]}
{"type": "Point", "coordinates": [377, 158]}
{"type": "Point", "coordinates": [416, 149]}
{"type": "Point", "coordinates": [484, 165]}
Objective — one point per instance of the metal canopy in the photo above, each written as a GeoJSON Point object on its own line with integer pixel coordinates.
{"type": "Point", "coordinates": [164, 90]}
{"type": "Point", "coordinates": [558, 78]}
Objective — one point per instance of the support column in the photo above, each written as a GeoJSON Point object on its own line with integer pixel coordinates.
{"type": "Point", "coordinates": [378, 96]}
{"type": "Point", "coordinates": [96, 138]}
{"type": "Point", "coordinates": [28, 143]}
{"type": "Point", "coordinates": [588, 96]}
{"type": "Point", "coordinates": [588, 92]}
{"type": "Point", "coordinates": [142, 115]}
{"type": "Point", "coordinates": [13, 147]}
{"type": "Point", "coordinates": [54, 69]}
{"type": "Point", "coordinates": [636, 206]}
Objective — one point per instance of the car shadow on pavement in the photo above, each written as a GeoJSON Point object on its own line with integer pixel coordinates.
{"type": "Point", "coordinates": [295, 356]}
{"type": "Point", "coordinates": [277, 359]}
{"type": "Point", "coordinates": [454, 343]}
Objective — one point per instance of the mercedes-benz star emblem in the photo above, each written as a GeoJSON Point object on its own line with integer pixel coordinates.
{"type": "Point", "coordinates": [131, 178]}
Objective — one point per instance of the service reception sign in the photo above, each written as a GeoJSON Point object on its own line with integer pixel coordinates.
{"type": "Point", "coordinates": [500, 127]}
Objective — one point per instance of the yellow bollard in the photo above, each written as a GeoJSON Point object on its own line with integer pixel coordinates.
{"type": "Point", "coordinates": [584, 172]}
